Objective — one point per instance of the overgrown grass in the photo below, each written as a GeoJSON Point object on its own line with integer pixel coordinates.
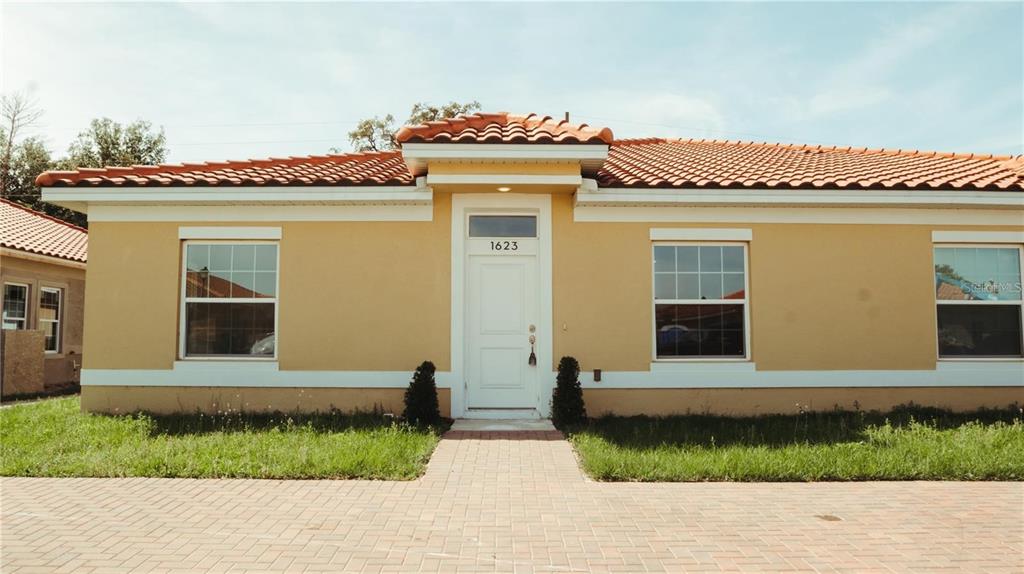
{"type": "Point", "coordinates": [907, 444]}
{"type": "Point", "coordinates": [53, 438]}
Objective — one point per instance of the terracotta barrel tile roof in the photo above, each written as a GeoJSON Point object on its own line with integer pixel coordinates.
{"type": "Point", "coordinates": [504, 128]}
{"type": "Point", "coordinates": [27, 230]}
{"type": "Point", "coordinates": [639, 163]}
{"type": "Point", "coordinates": [370, 168]}
{"type": "Point", "coordinates": [710, 163]}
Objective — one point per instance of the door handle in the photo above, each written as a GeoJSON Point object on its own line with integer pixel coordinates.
{"type": "Point", "coordinates": [532, 361]}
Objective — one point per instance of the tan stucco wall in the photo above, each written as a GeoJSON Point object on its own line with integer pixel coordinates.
{"type": "Point", "coordinates": [357, 296]}
{"type": "Point", "coordinates": [62, 367]}
{"type": "Point", "coordinates": [740, 402]}
{"type": "Point", "coordinates": [164, 400]}
{"type": "Point", "coordinates": [822, 297]}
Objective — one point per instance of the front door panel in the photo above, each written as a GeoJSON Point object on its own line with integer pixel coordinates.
{"type": "Point", "coordinates": [502, 306]}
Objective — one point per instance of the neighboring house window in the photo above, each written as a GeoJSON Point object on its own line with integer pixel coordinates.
{"type": "Point", "coordinates": [50, 303]}
{"type": "Point", "coordinates": [230, 300]}
{"type": "Point", "coordinates": [978, 299]}
{"type": "Point", "coordinates": [700, 301]}
{"type": "Point", "coordinates": [15, 306]}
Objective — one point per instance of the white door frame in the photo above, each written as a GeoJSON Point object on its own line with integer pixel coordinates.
{"type": "Point", "coordinates": [464, 204]}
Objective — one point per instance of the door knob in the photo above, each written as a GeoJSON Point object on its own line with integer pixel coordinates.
{"type": "Point", "coordinates": [533, 328]}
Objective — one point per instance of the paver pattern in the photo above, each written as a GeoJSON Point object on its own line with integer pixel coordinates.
{"type": "Point", "coordinates": [506, 502]}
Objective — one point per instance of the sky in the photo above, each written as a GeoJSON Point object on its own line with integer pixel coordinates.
{"type": "Point", "coordinates": [239, 80]}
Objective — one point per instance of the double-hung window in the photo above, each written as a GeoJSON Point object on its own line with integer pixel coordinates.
{"type": "Point", "coordinates": [230, 299]}
{"type": "Point", "coordinates": [700, 301]}
{"type": "Point", "coordinates": [978, 300]}
{"type": "Point", "coordinates": [51, 301]}
{"type": "Point", "coordinates": [15, 309]}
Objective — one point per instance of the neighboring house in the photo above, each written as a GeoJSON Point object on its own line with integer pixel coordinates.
{"type": "Point", "coordinates": [42, 268]}
{"type": "Point", "coordinates": [685, 275]}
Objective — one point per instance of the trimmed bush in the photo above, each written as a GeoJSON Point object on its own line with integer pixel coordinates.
{"type": "Point", "coordinates": [421, 397]}
{"type": "Point", "coordinates": [567, 407]}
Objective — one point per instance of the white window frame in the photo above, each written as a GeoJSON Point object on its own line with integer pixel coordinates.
{"type": "Point", "coordinates": [28, 292]}
{"type": "Point", "coordinates": [60, 316]}
{"type": "Point", "coordinates": [184, 299]}
{"type": "Point", "coordinates": [1019, 302]}
{"type": "Point", "coordinates": [745, 301]}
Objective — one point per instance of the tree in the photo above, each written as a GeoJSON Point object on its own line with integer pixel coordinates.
{"type": "Point", "coordinates": [108, 143]}
{"type": "Point", "coordinates": [421, 406]}
{"type": "Point", "coordinates": [378, 134]}
{"type": "Point", "coordinates": [17, 112]}
{"type": "Point", "coordinates": [567, 408]}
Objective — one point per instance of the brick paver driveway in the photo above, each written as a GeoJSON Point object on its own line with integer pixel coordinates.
{"type": "Point", "coordinates": [489, 504]}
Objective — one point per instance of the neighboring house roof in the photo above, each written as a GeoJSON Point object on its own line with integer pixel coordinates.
{"type": "Point", "coordinates": [637, 163]}
{"type": "Point", "coordinates": [504, 128]}
{"type": "Point", "coordinates": [27, 230]}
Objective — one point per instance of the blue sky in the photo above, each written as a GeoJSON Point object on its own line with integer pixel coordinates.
{"type": "Point", "coordinates": [235, 81]}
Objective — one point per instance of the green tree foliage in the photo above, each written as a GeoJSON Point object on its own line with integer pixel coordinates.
{"type": "Point", "coordinates": [378, 134]}
{"type": "Point", "coordinates": [567, 408]}
{"type": "Point", "coordinates": [421, 406]}
{"type": "Point", "coordinates": [108, 143]}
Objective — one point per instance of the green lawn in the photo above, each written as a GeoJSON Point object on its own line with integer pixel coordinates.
{"type": "Point", "coordinates": [53, 438]}
{"type": "Point", "coordinates": [909, 444]}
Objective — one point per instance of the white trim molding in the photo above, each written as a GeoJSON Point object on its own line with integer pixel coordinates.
{"type": "Point", "coordinates": [744, 375]}
{"type": "Point", "coordinates": [587, 196]}
{"type": "Point", "coordinates": [229, 232]}
{"type": "Point", "coordinates": [258, 213]}
{"type": "Point", "coordinates": [979, 236]}
{"type": "Point", "coordinates": [797, 214]}
{"type": "Point", "coordinates": [700, 234]}
{"type": "Point", "coordinates": [252, 374]}
{"type": "Point", "coordinates": [502, 179]}
{"type": "Point", "coordinates": [82, 199]}
{"type": "Point", "coordinates": [464, 204]}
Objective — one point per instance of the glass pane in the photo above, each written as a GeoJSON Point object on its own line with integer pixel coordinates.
{"type": "Point", "coordinates": [502, 226]}
{"type": "Point", "coordinates": [979, 330]}
{"type": "Point", "coordinates": [266, 284]}
{"type": "Point", "coordinates": [664, 258]}
{"type": "Point", "coordinates": [732, 259]}
{"type": "Point", "coordinates": [229, 329]}
{"type": "Point", "coordinates": [732, 286]}
{"type": "Point", "coordinates": [15, 305]}
{"type": "Point", "coordinates": [686, 258]}
{"type": "Point", "coordinates": [710, 285]}
{"type": "Point", "coordinates": [52, 331]}
{"type": "Point", "coordinates": [664, 285]}
{"type": "Point", "coordinates": [977, 273]}
{"type": "Point", "coordinates": [217, 283]}
{"type": "Point", "coordinates": [242, 258]}
{"type": "Point", "coordinates": [197, 257]}
{"type": "Point", "coordinates": [710, 259]}
{"type": "Point", "coordinates": [242, 284]}
{"type": "Point", "coordinates": [699, 330]}
{"type": "Point", "coordinates": [49, 305]}
{"type": "Point", "coordinates": [688, 286]}
{"type": "Point", "coordinates": [220, 258]}
{"type": "Point", "coordinates": [266, 257]}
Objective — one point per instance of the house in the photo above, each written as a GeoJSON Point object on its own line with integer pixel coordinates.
{"type": "Point", "coordinates": [42, 268]}
{"type": "Point", "coordinates": [684, 275]}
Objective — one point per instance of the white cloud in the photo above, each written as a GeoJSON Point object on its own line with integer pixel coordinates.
{"type": "Point", "coordinates": [644, 113]}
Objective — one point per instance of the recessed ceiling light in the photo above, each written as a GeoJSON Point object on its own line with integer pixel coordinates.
{"type": "Point", "coordinates": [504, 189]}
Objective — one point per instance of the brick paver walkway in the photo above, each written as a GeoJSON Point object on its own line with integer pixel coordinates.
{"type": "Point", "coordinates": [490, 503]}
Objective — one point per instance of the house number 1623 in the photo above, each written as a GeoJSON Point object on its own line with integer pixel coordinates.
{"type": "Point", "coordinates": [504, 246]}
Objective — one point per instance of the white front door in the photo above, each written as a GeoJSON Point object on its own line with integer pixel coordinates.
{"type": "Point", "coordinates": [501, 317]}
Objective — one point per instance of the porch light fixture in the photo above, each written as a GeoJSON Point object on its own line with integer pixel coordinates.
{"type": "Point", "coordinates": [503, 189]}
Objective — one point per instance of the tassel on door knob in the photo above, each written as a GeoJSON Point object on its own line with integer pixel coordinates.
{"type": "Point", "coordinates": [533, 356]}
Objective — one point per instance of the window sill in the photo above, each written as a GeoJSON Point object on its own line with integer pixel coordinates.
{"type": "Point", "coordinates": [700, 365]}
{"type": "Point", "coordinates": [220, 364]}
